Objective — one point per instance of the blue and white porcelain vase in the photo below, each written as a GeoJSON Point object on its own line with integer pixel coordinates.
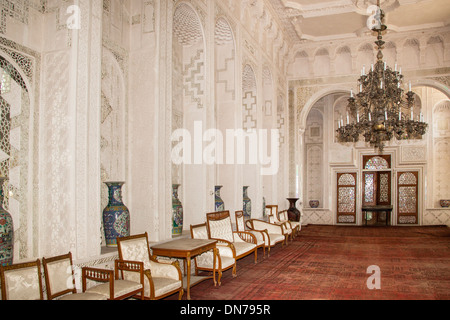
{"type": "Point", "coordinates": [219, 204]}
{"type": "Point", "coordinates": [247, 204]}
{"type": "Point", "coordinates": [116, 217]}
{"type": "Point", "coordinates": [177, 212]}
{"type": "Point", "coordinates": [6, 232]}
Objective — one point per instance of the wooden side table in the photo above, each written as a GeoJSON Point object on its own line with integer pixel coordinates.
{"type": "Point", "coordinates": [187, 249]}
{"type": "Point", "coordinates": [387, 209]}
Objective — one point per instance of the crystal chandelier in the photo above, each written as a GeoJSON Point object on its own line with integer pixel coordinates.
{"type": "Point", "coordinates": [381, 110]}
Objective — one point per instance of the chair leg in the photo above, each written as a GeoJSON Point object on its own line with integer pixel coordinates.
{"type": "Point", "coordinates": [180, 295]}
{"type": "Point", "coordinates": [219, 277]}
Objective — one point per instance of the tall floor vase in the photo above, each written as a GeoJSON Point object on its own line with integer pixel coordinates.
{"type": "Point", "coordinates": [219, 204]}
{"type": "Point", "coordinates": [6, 232]}
{"type": "Point", "coordinates": [247, 203]}
{"type": "Point", "coordinates": [293, 213]}
{"type": "Point", "coordinates": [177, 212]}
{"type": "Point", "coordinates": [116, 217]}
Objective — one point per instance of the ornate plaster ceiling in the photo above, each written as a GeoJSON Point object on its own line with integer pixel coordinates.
{"type": "Point", "coordinates": [320, 20]}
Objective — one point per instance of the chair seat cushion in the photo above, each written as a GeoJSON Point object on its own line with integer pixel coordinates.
{"type": "Point", "coordinates": [243, 247]}
{"type": "Point", "coordinates": [227, 262]}
{"type": "Point", "coordinates": [121, 287]}
{"type": "Point", "coordinates": [84, 296]}
{"type": "Point", "coordinates": [275, 238]}
{"type": "Point", "coordinates": [165, 285]}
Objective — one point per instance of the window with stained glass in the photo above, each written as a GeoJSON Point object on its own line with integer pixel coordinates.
{"type": "Point", "coordinates": [377, 162]}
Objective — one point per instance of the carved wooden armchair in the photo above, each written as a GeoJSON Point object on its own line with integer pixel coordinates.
{"type": "Point", "coordinates": [277, 233]}
{"type": "Point", "coordinates": [220, 228]}
{"type": "Point", "coordinates": [224, 259]}
{"type": "Point", "coordinates": [295, 225]}
{"type": "Point", "coordinates": [115, 288]}
{"type": "Point", "coordinates": [22, 281]}
{"type": "Point", "coordinates": [272, 213]}
{"type": "Point", "coordinates": [161, 279]}
{"type": "Point", "coordinates": [262, 236]}
{"type": "Point", "coordinates": [60, 281]}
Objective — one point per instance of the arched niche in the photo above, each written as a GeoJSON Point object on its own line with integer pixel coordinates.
{"type": "Point", "coordinates": [365, 56]}
{"type": "Point", "coordinates": [269, 117]}
{"type": "Point", "coordinates": [188, 107]}
{"type": "Point", "coordinates": [434, 55]}
{"type": "Point", "coordinates": [250, 168]}
{"type": "Point", "coordinates": [15, 155]}
{"type": "Point", "coordinates": [113, 127]}
{"type": "Point", "coordinates": [314, 148]}
{"type": "Point", "coordinates": [301, 65]}
{"type": "Point", "coordinates": [322, 62]}
{"type": "Point", "coordinates": [411, 54]}
{"type": "Point", "coordinates": [343, 61]}
{"type": "Point", "coordinates": [225, 104]}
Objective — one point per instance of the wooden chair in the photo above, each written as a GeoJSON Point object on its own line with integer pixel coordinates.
{"type": "Point", "coordinates": [295, 225]}
{"type": "Point", "coordinates": [22, 281]}
{"type": "Point", "coordinates": [220, 228]}
{"type": "Point", "coordinates": [225, 256]}
{"type": "Point", "coordinates": [60, 281]}
{"type": "Point", "coordinates": [277, 233]}
{"type": "Point", "coordinates": [115, 288]}
{"type": "Point", "coordinates": [161, 279]}
{"type": "Point", "coordinates": [273, 218]}
{"type": "Point", "coordinates": [262, 236]}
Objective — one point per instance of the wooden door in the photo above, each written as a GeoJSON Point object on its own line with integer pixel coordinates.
{"type": "Point", "coordinates": [407, 197]}
{"type": "Point", "coordinates": [346, 198]}
{"type": "Point", "coordinates": [377, 188]}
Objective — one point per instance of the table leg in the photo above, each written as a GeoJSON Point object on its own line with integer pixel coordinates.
{"type": "Point", "coordinates": [188, 277]}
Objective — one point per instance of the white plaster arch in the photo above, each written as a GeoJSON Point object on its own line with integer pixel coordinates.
{"type": "Point", "coordinates": [433, 84]}
{"type": "Point", "coordinates": [316, 97]}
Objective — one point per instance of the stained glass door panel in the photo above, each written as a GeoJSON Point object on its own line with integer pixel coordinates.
{"type": "Point", "coordinates": [346, 197]}
{"type": "Point", "coordinates": [407, 207]}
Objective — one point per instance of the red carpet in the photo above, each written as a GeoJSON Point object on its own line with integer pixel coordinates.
{"type": "Point", "coordinates": [330, 263]}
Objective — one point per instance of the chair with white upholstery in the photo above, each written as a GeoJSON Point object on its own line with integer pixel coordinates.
{"type": "Point", "coordinates": [262, 237]}
{"type": "Point", "coordinates": [22, 281]}
{"type": "Point", "coordinates": [161, 279]}
{"type": "Point", "coordinates": [277, 233]}
{"type": "Point", "coordinates": [114, 288]}
{"type": "Point", "coordinates": [220, 228]}
{"type": "Point", "coordinates": [295, 225]}
{"type": "Point", "coordinates": [224, 259]}
{"type": "Point", "coordinates": [274, 218]}
{"type": "Point", "coordinates": [60, 281]}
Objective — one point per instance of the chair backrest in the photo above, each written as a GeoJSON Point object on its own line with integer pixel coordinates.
{"type": "Point", "coordinates": [240, 221]}
{"type": "Point", "coordinates": [219, 225]}
{"type": "Point", "coordinates": [134, 248]}
{"type": "Point", "coordinates": [199, 231]}
{"type": "Point", "coordinates": [273, 212]}
{"type": "Point", "coordinates": [22, 281]}
{"type": "Point", "coordinates": [59, 278]}
{"type": "Point", "coordinates": [283, 215]}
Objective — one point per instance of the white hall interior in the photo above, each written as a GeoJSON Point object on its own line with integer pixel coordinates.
{"type": "Point", "coordinates": [93, 91]}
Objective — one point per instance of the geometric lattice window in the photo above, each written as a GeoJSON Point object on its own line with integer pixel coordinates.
{"type": "Point", "coordinates": [377, 162]}
{"type": "Point", "coordinates": [346, 197]}
{"type": "Point", "coordinates": [407, 207]}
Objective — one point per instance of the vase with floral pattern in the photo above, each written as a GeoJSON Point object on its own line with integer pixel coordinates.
{"type": "Point", "coordinates": [116, 217]}
{"type": "Point", "coordinates": [219, 204]}
{"type": "Point", "coordinates": [247, 204]}
{"type": "Point", "coordinates": [6, 232]}
{"type": "Point", "coordinates": [177, 212]}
